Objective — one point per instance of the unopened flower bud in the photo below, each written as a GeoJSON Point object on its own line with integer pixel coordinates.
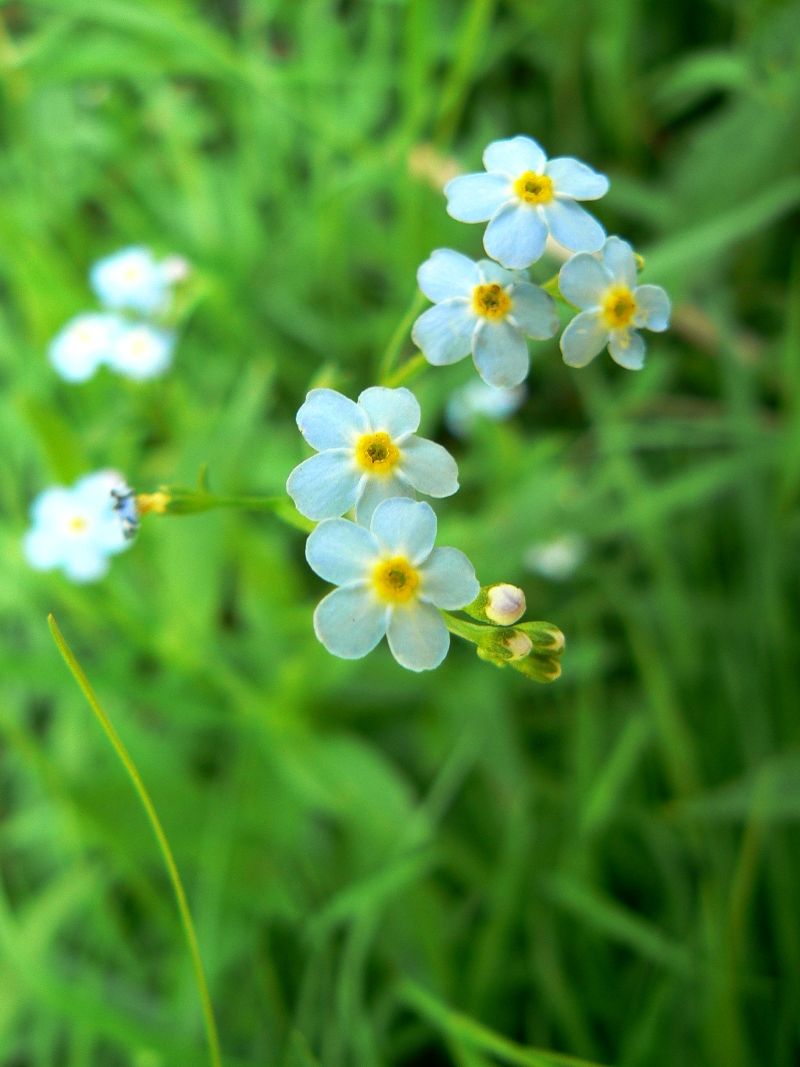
{"type": "Point", "coordinates": [518, 644]}
{"type": "Point", "coordinates": [501, 604]}
{"type": "Point", "coordinates": [545, 637]}
{"type": "Point", "coordinates": [538, 668]}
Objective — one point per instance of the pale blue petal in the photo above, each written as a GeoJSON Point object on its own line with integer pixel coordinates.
{"type": "Point", "coordinates": [619, 261]}
{"type": "Point", "coordinates": [82, 345]}
{"type": "Point", "coordinates": [350, 621]}
{"type": "Point", "coordinates": [534, 310]}
{"type": "Point", "coordinates": [583, 280]}
{"type": "Point", "coordinates": [583, 338]}
{"type": "Point", "coordinates": [376, 489]}
{"type": "Point", "coordinates": [627, 348]}
{"type": "Point", "coordinates": [514, 156]}
{"type": "Point", "coordinates": [444, 332]}
{"type": "Point", "coordinates": [405, 528]}
{"type": "Point", "coordinates": [141, 351]}
{"type": "Point", "coordinates": [574, 178]}
{"type": "Point", "coordinates": [475, 399]}
{"type": "Point", "coordinates": [476, 197]}
{"type": "Point", "coordinates": [573, 227]}
{"type": "Point", "coordinates": [394, 411]}
{"type": "Point", "coordinates": [130, 279]}
{"type": "Point", "coordinates": [418, 637]}
{"type": "Point", "coordinates": [493, 272]}
{"type": "Point", "coordinates": [341, 552]}
{"type": "Point", "coordinates": [329, 420]}
{"type": "Point", "coordinates": [42, 549]}
{"type": "Point", "coordinates": [500, 354]}
{"type": "Point", "coordinates": [52, 506]}
{"type": "Point", "coordinates": [428, 467]}
{"type": "Point", "coordinates": [326, 485]}
{"type": "Point", "coordinates": [516, 235]}
{"type": "Point", "coordinates": [652, 307]}
{"type": "Point", "coordinates": [447, 273]}
{"type": "Point", "coordinates": [83, 562]}
{"type": "Point", "coordinates": [447, 579]}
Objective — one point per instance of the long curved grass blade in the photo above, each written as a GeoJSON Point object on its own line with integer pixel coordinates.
{"type": "Point", "coordinates": [166, 851]}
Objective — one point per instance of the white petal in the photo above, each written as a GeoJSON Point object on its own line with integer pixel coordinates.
{"type": "Point", "coordinates": [418, 637]}
{"type": "Point", "coordinates": [516, 236]}
{"type": "Point", "coordinates": [405, 528]}
{"type": "Point", "coordinates": [85, 563]}
{"type": "Point", "coordinates": [350, 621]}
{"type": "Point", "coordinates": [493, 272]}
{"type": "Point", "coordinates": [329, 420]}
{"type": "Point", "coordinates": [141, 351]}
{"type": "Point", "coordinates": [652, 307]}
{"type": "Point", "coordinates": [574, 178]}
{"type": "Point", "coordinates": [476, 197]}
{"type": "Point", "coordinates": [573, 227]}
{"type": "Point", "coordinates": [376, 489]}
{"type": "Point", "coordinates": [447, 273]}
{"type": "Point", "coordinates": [42, 548]}
{"type": "Point", "coordinates": [583, 280]}
{"type": "Point", "coordinates": [444, 332]}
{"type": "Point", "coordinates": [627, 348]}
{"type": "Point", "coordinates": [583, 338]}
{"type": "Point", "coordinates": [500, 354]}
{"type": "Point", "coordinates": [326, 485]}
{"type": "Point", "coordinates": [534, 310]}
{"type": "Point", "coordinates": [514, 156]}
{"type": "Point", "coordinates": [428, 467]}
{"type": "Point", "coordinates": [51, 506]}
{"type": "Point", "coordinates": [395, 411]}
{"type": "Point", "coordinates": [619, 261]}
{"type": "Point", "coordinates": [341, 552]}
{"type": "Point", "coordinates": [448, 579]}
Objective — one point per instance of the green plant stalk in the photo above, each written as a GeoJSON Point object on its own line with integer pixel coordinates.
{"type": "Point", "coordinates": [386, 367]}
{"type": "Point", "coordinates": [470, 631]}
{"type": "Point", "coordinates": [78, 674]}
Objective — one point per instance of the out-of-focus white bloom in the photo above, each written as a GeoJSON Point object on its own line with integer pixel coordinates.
{"type": "Point", "coordinates": [614, 307]}
{"type": "Point", "coordinates": [141, 351]}
{"type": "Point", "coordinates": [557, 559]}
{"type": "Point", "coordinates": [524, 197]}
{"type": "Point", "coordinates": [83, 344]}
{"type": "Point", "coordinates": [392, 581]}
{"type": "Point", "coordinates": [76, 529]}
{"type": "Point", "coordinates": [131, 280]}
{"type": "Point", "coordinates": [476, 400]}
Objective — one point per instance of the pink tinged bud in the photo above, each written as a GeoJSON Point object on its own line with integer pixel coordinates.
{"type": "Point", "coordinates": [505, 604]}
{"type": "Point", "coordinates": [518, 644]}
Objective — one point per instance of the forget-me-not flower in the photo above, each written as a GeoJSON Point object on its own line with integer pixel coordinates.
{"type": "Point", "coordinates": [483, 309]}
{"type": "Point", "coordinates": [475, 400]}
{"type": "Point", "coordinates": [524, 197]}
{"type": "Point", "coordinates": [613, 306]}
{"type": "Point", "coordinates": [141, 351]}
{"type": "Point", "coordinates": [84, 344]}
{"type": "Point", "coordinates": [367, 452]}
{"type": "Point", "coordinates": [391, 581]}
{"type": "Point", "coordinates": [131, 280]}
{"type": "Point", "coordinates": [76, 529]}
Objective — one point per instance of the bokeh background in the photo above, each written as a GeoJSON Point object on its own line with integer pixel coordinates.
{"type": "Point", "coordinates": [388, 869]}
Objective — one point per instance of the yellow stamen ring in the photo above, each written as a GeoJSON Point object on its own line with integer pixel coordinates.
{"type": "Point", "coordinates": [395, 580]}
{"type": "Point", "coordinates": [491, 301]}
{"type": "Point", "coordinates": [619, 307]}
{"type": "Point", "coordinates": [534, 188]}
{"type": "Point", "coordinates": [376, 453]}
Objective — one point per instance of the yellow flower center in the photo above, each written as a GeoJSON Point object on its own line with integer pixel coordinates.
{"type": "Point", "coordinates": [77, 524]}
{"type": "Point", "coordinates": [619, 307]}
{"type": "Point", "coordinates": [534, 188]}
{"type": "Point", "coordinates": [376, 453]}
{"type": "Point", "coordinates": [395, 580]}
{"type": "Point", "coordinates": [491, 301]}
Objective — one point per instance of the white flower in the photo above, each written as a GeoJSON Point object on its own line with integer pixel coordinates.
{"type": "Point", "coordinates": [483, 309]}
{"type": "Point", "coordinates": [141, 351]}
{"type": "Point", "coordinates": [131, 279]}
{"type": "Point", "coordinates": [368, 452]}
{"type": "Point", "coordinates": [83, 344]}
{"type": "Point", "coordinates": [525, 197]}
{"type": "Point", "coordinates": [391, 581]}
{"type": "Point", "coordinates": [613, 306]}
{"type": "Point", "coordinates": [557, 559]}
{"type": "Point", "coordinates": [76, 529]}
{"type": "Point", "coordinates": [475, 399]}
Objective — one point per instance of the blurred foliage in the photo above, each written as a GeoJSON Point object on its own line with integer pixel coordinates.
{"type": "Point", "coordinates": [457, 868]}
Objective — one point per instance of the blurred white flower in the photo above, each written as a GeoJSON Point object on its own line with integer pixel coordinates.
{"type": "Point", "coordinates": [77, 529]}
{"type": "Point", "coordinates": [476, 400]}
{"type": "Point", "coordinates": [83, 344]}
{"type": "Point", "coordinates": [132, 280]}
{"type": "Point", "coordinates": [141, 351]}
{"type": "Point", "coordinates": [557, 559]}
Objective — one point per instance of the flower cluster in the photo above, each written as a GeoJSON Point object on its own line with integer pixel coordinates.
{"type": "Point", "coordinates": [129, 335]}
{"type": "Point", "coordinates": [488, 309]}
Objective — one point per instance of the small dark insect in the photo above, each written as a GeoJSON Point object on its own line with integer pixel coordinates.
{"type": "Point", "coordinates": [125, 507]}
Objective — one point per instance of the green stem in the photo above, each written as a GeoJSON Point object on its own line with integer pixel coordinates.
{"type": "Point", "coordinates": [163, 844]}
{"type": "Point", "coordinates": [470, 631]}
{"type": "Point", "coordinates": [397, 340]}
{"type": "Point", "coordinates": [408, 371]}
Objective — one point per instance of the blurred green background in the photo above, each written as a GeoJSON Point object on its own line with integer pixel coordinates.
{"type": "Point", "coordinates": [388, 869]}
